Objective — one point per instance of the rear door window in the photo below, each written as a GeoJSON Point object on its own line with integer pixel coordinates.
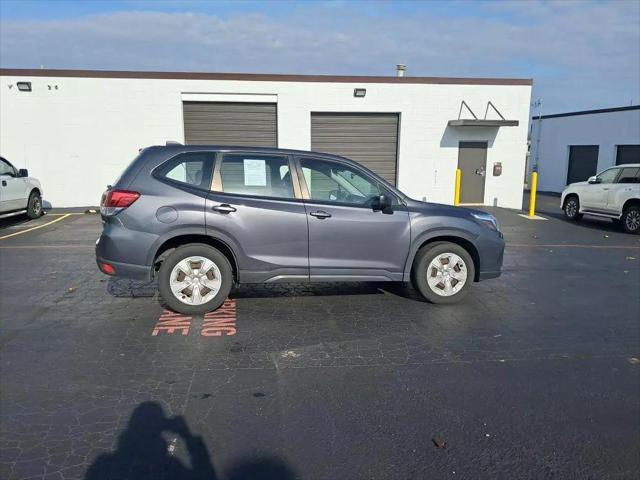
{"type": "Point", "coordinates": [257, 175]}
{"type": "Point", "coordinates": [192, 168]}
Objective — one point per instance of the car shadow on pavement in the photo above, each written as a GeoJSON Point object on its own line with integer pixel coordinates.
{"type": "Point", "coordinates": [402, 289]}
{"type": "Point", "coordinates": [14, 221]}
{"type": "Point", "coordinates": [142, 453]}
{"type": "Point", "coordinates": [124, 287]}
{"type": "Point", "coordinates": [324, 290]}
{"type": "Point", "coordinates": [593, 223]}
{"type": "Point", "coordinates": [273, 290]}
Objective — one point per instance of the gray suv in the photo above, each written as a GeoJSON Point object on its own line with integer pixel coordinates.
{"type": "Point", "coordinates": [203, 218]}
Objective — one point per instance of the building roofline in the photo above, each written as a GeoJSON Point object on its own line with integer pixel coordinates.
{"type": "Point", "coordinates": [588, 112]}
{"type": "Point", "coordinates": [258, 77]}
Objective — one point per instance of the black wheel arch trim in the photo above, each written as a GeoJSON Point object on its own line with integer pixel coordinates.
{"type": "Point", "coordinates": [631, 202]}
{"type": "Point", "coordinates": [566, 199]}
{"type": "Point", "coordinates": [447, 234]}
{"type": "Point", "coordinates": [207, 238]}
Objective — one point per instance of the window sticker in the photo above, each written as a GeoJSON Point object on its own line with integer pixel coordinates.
{"type": "Point", "coordinates": [255, 173]}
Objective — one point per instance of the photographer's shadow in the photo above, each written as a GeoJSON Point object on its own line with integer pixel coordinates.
{"type": "Point", "coordinates": [143, 454]}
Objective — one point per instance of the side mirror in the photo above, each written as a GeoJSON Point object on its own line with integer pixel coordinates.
{"type": "Point", "coordinates": [593, 179]}
{"type": "Point", "coordinates": [382, 202]}
{"type": "Point", "coordinates": [23, 172]}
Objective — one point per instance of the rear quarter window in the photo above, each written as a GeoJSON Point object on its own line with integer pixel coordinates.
{"type": "Point", "coordinates": [191, 168]}
{"type": "Point", "coordinates": [629, 175]}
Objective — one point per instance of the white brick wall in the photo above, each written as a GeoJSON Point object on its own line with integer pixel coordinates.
{"type": "Point", "coordinates": [77, 139]}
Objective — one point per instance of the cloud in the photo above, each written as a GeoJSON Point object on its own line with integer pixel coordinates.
{"type": "Point", "coordinates": [581, 55]}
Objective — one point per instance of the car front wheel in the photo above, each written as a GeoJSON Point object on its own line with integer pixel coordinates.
{"type": "Point", "coordinates": [34, 206]}
{"type": "Point", "coordinates": [195, 279]}
{"type": "Point", "coordinates": [631, 219]}
{"type": "Point", "coordinates": [443, 272]}
{"type": "Point", "coordinates": [572, 208]}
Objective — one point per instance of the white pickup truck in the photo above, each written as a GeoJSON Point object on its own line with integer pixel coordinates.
{"type": "Point", "coordinates": [613, 193]}
{"type": "Point", "coordinates": [19, 193]}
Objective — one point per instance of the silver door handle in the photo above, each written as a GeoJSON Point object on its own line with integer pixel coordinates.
{"type": "Point", "coordinates": [224, 208]}
{"type": "Point", "coordinates": [320, 214]}
{"type": "Point", "coordinates": [606, 188]}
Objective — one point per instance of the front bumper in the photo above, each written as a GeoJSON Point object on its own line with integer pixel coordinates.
{"type": "Point", "coordinates": [488, 275]}
{"type": "Point", "coordinates": [491, 251]}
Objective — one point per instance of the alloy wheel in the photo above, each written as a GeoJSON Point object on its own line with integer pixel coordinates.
{"type": "Point", "coordinates": [446, 274]}
{"type": "Point", "coordinates": [37, 206]}
{"type": "Point", "coordinates": [195, 280]}
{"type": "Point", "coordinates": [632, 220]}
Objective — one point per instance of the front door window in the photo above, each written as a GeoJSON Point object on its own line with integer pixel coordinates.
{"type": "Point", "coordinates": [608, 176]}
{"type": "Point", "coordinates": [6, 169]}
{"type": "Point", "coordinates": [335, 182]}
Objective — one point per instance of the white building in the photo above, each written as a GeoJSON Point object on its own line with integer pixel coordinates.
{"type": "Point", "coordinates": [77, 130]}
{"type": "Point", "coordinates": [571, 147]}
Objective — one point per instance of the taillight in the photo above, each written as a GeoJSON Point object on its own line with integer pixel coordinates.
{"type": "Point", "coordinates": [114, 201]}
{"type": "Point", "coordinates": [107, 268]}
{"type": "Point", "coordinates": [118, 198]}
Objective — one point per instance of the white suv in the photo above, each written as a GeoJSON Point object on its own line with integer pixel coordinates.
{"type": "Point", "coordinates": [613, 193]}
{"type": "Point", "coordinates": [19, 193]}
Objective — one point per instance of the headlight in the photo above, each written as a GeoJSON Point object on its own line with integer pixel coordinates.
{"type": "Point", "coordinates": [487, 220]}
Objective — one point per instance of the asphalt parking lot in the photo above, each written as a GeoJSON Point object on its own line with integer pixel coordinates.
{"type": "Point", "coordinates": [535, 375]}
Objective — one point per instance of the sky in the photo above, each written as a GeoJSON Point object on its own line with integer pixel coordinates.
{"type": "Point", "coordinates": [580, 54]}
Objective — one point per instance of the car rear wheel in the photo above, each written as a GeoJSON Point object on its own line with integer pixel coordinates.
{"type": "Point", "coordinates": [195, 279]}
{"type": "Point", "coordinates": [443, 272]}
{"type": "Point", "coordinates": [631, 219]}
{"type": "Point", "coordinates": [572, 208]}
{"type": "Point", "coordinates": [34, 206]}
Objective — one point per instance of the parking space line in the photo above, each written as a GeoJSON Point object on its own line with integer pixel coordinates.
{"type": "Point", "coordinates": [37, 227]}
{"type": "Point", "coordinates": [568, 245]}
{"type": "Point", "coordinates": [59, 214]}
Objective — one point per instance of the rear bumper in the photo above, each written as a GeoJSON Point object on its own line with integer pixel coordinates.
{"type": "Point", "coordinates": [121, 244]}
{"type": "Point", "coordinates": [126, 270]}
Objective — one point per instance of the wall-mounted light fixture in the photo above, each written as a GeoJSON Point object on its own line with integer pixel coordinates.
{"type": "Point", "coordinates": [359, 92]}
{"type": "Point", "coordinates": [24, 86]}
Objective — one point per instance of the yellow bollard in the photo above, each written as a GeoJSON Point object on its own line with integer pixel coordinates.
{"type": "Point", "coordinates": [456, 195]}
{"type": "Point", "coordinates": [532, 198]}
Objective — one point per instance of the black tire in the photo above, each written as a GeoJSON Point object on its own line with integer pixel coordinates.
{"type": "Point", "coordinates": [420, 272]}
{"type": "Point", "coordinates": [182, 253]}
{"type": "Point", "coordinates": [572, 208]}
{"type": "Point", "coordinates": [631, 219]}
{"type": "Point", "coordinates": [34, 206]}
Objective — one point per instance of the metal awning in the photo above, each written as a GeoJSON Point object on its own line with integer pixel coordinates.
{"type": "Point", "coordinates": [484, 122]}
{"type": "Point", "coordinates": [474, 122]}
